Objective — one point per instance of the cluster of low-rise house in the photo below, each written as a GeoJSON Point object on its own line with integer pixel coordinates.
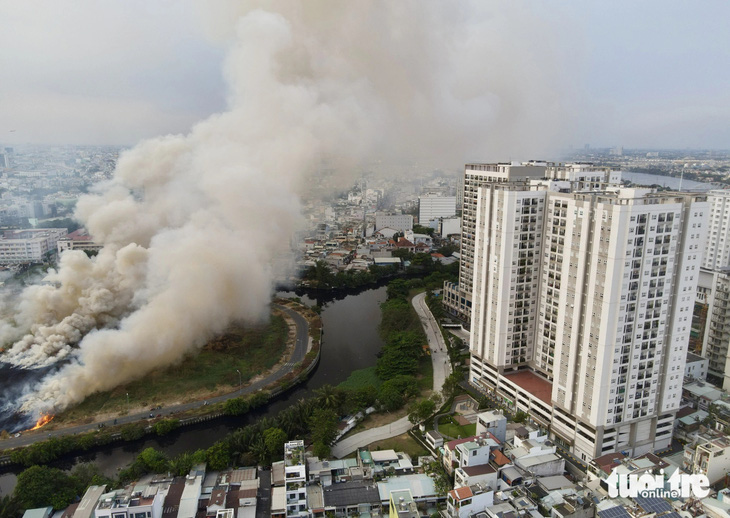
{"type": "Point", "coordinates": [506, 470]}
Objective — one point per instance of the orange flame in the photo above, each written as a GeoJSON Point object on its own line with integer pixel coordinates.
{"type": "Point", "coordinates": [42, 421]}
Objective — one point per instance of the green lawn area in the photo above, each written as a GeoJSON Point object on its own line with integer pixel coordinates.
{"type": "Point", "coordinates": [362, 378]}
{"type": "Point", "coordinates": [404, 443]}
{"type": "Point", "coordinates": [448, 427]}
{"type": "Point", "coordinates": [251, 350]}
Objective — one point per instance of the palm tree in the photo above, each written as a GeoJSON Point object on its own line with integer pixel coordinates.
{"type": "Point", "coordinates": [288, 420]}
{"type": "Point", "coordinates": [329, 397]}
{"type": "Point", "coordinates": [260, 451]}
{"type": "Point", "coordinates": [9, 507]}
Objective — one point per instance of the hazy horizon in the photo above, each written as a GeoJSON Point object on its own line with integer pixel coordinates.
{"type": "Point", "coordinates": [649, 75]}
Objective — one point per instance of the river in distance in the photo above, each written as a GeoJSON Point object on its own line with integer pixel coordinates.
{"type": "Point", "coordinates": [668, 181]}
{"type": "Point", "coordinates": [350, 342]}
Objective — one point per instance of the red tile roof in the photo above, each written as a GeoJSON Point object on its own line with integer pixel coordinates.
{"type": "Point", "coordinates": [500, 459]}
{"type": "Point", "coordinates": [460, 493]}
{"type": "Point", "coordinates": [534, 384]}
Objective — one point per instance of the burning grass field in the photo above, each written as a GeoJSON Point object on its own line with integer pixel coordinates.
{"type": "Point", "coordinates": [213, 371]}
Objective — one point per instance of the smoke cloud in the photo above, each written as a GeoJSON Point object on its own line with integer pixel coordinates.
{"type": "Point", "coordinates": [193, 224]}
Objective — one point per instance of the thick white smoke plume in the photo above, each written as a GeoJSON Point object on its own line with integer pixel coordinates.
{"type": "Point", "coordinates": [191, 225]}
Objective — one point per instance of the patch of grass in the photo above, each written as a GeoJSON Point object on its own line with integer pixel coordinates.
{"type": "Point", "coordinates": [450, 428]}
{"type": "Point", "coordinates": [361, 378]}
{"type": "Point", "coordinates": [404, 443]}
{"type": "Point", "coordinates": [251, 350]}
{"type": "Point", "coordinates": [425, 373]}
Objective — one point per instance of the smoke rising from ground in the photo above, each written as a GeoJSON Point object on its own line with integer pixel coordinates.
{"type": "Point", "coordinates": [192, 225]}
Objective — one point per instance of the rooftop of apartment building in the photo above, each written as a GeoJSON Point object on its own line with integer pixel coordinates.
{"type": "Point", "coordinates": [294, 453]}
{"type": "Point", "coordinates": [532, 383]}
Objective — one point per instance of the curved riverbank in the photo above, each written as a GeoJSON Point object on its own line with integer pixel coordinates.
{"type": "Point", "coordinates": [350, 342]}
{"type": "Point", "coordinates": [304, 346]}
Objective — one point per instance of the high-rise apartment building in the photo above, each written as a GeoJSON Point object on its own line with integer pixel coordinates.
{"type": "Point", "coordinates": [717, 252]}
{"type": "Point", "coordinates": [582, 307]}
{"type": "Point", "coordinates": [457, 297]}
{"type": "Point", "coordinates": [716, 333]}
{"type": "Point", "coordinates": [714, 310]}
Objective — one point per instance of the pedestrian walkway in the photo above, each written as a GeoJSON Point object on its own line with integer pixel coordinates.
{"type": "Point", "coordinates": [441, 370]}
{"type": "Point", "coordinates": [362, 439]}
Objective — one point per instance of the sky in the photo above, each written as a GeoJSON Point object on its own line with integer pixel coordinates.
{"type": "Point", "coordinates": [650, 74]}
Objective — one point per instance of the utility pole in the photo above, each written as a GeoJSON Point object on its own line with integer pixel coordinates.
{"type": "Point", "coordinates": [240, 381]}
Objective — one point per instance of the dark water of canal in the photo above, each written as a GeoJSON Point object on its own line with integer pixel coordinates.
{"type": "Point", "coordinates": [350, 342]}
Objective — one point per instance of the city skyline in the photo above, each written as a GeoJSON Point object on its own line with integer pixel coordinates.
{"type": "Point", "coordinates": [638, 76]}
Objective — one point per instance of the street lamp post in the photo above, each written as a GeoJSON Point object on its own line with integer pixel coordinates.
{"type": "Point", "coordinates": [127, 402]}
{"type": "Point", "coordinates": [240, 380]}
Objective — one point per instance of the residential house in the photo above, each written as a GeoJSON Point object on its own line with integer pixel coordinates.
{"type": "Point", "coordinates": [466, 501]}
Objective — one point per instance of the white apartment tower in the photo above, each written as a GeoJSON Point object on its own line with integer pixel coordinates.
{"type": "Point", "coordinates": [716, 266]}
{"type": "Point", "coordinates": [717, 252]}
{"type": "Point", "coordinates": [582, 308]}
{"type": "Point", "coordinates": [457, 297]}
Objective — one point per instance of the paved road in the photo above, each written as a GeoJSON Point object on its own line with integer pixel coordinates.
{"type": "Point", "coordinates": [441, 369]}
{"type": "Point", "coordinates": [439, 352]}
{"type": "Point", "coordinates": [300, 350]}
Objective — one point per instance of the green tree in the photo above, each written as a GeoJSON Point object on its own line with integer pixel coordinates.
{"type": "Point", "coordinates": [520, 417]}
{"type": "Point", "coordinates": [153, 461]}
{"type": "Point", "coordinates": [451, 384]}
{"type": "Point", "coordinates": [259, 398]}
{"type": "Point", "coordinates": [320, 274]}
{"type": "Point", "coordinates": [394, 392]}
{"type": "Point", "coordinates": [360, 398]}
{"type": "Point", "coordinates": [275, 439]}
{"type": "Point", "coordinates": [323, 425]}
{"type": "Point", "coordinates": [421, 410]}
{"type": "Point", "coordinates": [260, 451]}
{"type": "Point", "coordinates": [218, 456]}
{"type": "Point", "coordinates": [10, 507]}
{"type": "Point", "coordinates": [321, 450]}
{"type": "Point", "coordinates": [87, 441]}
{"type": "Point", "coordinates": [447, 249]}
{"type": "Point", "coordinates": [41, 486]}
{"type": "Point", "coordinates": [329, 397]}
{"type": "Point", "coordinates": [423, 261]}
{"type": "Point", "coordinates": [182, 464]}
{"type": "Point", "coordinates": [236, 406]}
{"type": "Point", "coordinates": [132, 432]}
{"type": "Point", "coordinates": [397, 289]}
{"type": "Point", "coordinates": [88, 474]}
{"type": "Point", "coordinates": [165, 426]}
{"type": "Point", "coordinates": [400, 355]}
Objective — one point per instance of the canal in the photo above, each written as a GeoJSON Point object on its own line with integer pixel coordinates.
{"type": "Point", "coordinates": [350, 342]}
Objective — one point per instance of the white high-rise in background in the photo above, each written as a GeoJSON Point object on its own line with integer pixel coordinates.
{"type": "Point", "coordinates": [582, 307]}
{"type": "Point", "coordinates": [714, 315]}
{"type": "Point", "coordinates": [580, 176]}
{"type": "Point", "coordinates": [717, 252]}
{"type": "Point", "coordinates": [432, 206]}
